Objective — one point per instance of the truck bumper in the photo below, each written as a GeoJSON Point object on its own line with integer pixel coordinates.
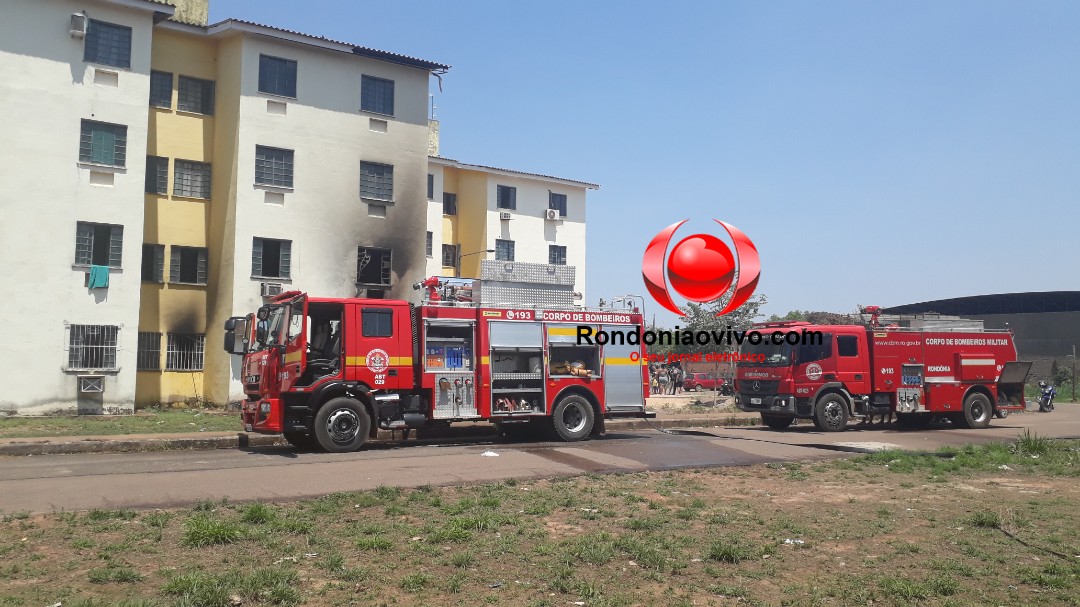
{"type": "Point", "coordinates": [779, 404]}
{"type": "Point", "coordinates": [263, 416]}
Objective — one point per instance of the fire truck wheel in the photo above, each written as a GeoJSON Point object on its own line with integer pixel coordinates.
{"type": "Point", "coordinates": [777, 422]}
{"type": "Point", "coordinates": [302, 441]}
{"type": "Point", "coordinates": [977, 411]}
{"type": "Point", "coordinates": [832, 413]}
{"type": "Point", "coordinates": [573, 418]}
{"type": "Point", "coordinates": [342, 425]}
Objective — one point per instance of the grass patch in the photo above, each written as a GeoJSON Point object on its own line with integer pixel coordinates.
{"type": "Point", "coordinates": [149, 421]}
{"type": "Point", "coordinates": [206, 530]}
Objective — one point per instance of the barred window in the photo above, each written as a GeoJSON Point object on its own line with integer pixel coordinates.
{"type": "Point", "coordinates": [429, 246]}
{"type": "Point", "coordinates": [191, 179]}
{"type": "Point", "coordinates": [449, 256]}
{"type": "Point", "coordinates": [187, 265]}
{"type": "Point", "coordinates": [277, 76]}
{"type": "Point", "coordinates": [184, 352]}
{"type": "Point", "coordinates": [153, 262]}
{"type": "Point", "coordinates": [504, 249]}
{"type": "Point", "coordinates": [157, 175]}
{"type": "Point", "coordinates": [449, 203]}
{"type": "Point", "coordinates": [556, 255]}
{"type": "Point", "coordinates": [103, 143]}
{"type": "Point", "coordinates": [149, 354]}
{"type": "Point", "coordinates": [377, 95]}
{"type": "Point", "coordinates": [107, 44]}
{"type": "Point", "coordinates": [271, 258]}
{"type": "Point", "coordinates": [98, 244]}
{"type": "Point", "coordinates": [92, 347]}
{"type": "Point", "coordinates": [161, 89]}
{"type": "Point", "coordinates": [273, 166]}
{"type": "Point", "coordinates": [376, 181]}
{"type": "Point", "coordinates": [195, 95]}
{"type": "Point", "coordinates": [558, 202]}
{"type": "Point", "coordinates": [373, 266]}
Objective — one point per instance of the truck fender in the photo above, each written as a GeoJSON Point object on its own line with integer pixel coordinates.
{"type": "Point", "coordinates": [337, 388]}
{"type": "Point", "coordinates": [834, 386]}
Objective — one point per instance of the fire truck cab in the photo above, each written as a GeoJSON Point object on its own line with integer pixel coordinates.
{"type": "Point", "coordinates": [839, 372]}
{"type": "Point", "coordinates": [328, 373]}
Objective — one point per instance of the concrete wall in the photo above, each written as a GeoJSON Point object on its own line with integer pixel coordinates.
{"type": "Point", "coordinates": [46, 89]}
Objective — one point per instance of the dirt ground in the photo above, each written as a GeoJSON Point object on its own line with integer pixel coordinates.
{"type": "Point", "coordinates": [992, 525]}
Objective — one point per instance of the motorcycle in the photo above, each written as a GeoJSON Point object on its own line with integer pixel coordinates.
{"type": "Point", "coordinates": [1046, 401]}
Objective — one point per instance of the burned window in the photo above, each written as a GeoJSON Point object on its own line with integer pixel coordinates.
{"type": "Point", "coordinates": [373, 266]}
{"type": "Point", "coordinates": [449, 256]}
{"type": "Point", "coordinates": [376, 181]}
{"type": "Point", "coordinates": [92, 346]}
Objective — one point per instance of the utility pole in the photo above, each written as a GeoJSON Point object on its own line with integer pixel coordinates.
{"type": "Point", "coordinates": [1074, 374]}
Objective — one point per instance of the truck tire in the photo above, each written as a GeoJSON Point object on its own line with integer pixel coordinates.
{"type": "Point", "coordinates": [977, 411]}
{"type": "Point", "coordinates": [573, 418]}
{"type": "Point", "coordinates": [831, 413]}
{"type": "Point", "coordinates": [302, 441]}
{"type": "Point", "coordinates": [342, 425]}
{"type": "Point", "coordinates": [777, 422]}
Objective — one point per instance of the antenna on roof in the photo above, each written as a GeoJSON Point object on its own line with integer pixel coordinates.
{"type": "Point", "coordinates": [433, 106]}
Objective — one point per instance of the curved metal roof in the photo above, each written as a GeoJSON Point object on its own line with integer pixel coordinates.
{"type": "Point", "coordinates": [1003, 303]}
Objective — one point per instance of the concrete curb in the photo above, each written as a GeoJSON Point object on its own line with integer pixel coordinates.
{"type": "Point", "coordinates": [74, 445]}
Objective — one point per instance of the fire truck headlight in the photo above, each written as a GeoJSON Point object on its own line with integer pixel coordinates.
{"type": "Point", "coordinates": [264, 408]}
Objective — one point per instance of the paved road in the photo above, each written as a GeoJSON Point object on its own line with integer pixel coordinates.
{"type": "Point", "coordinates": [79, 482]}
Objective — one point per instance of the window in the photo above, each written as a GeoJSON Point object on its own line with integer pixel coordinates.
{"type": "Point", "coordinates": [809, 352]}
{"type": "Point", "coordinates": [185, 352]}
{"type": "Point", "coordinates": [277, 76]}
{"type": "Point", "coordinates": [557, 201]}
{"type": "Point", "coordinates": [429, 247]}
{"type": "Point", "coordinates": [188, 265]}
{"type": "Point", "coordinates": [92, 346]}
{"type": "Point", "coordinates": [504, 250]}
{"type": "Point", "coordinates": [103, 143]}
{"type": "Point", "coordinates": [376, 181]}
{"type": "Point", "coordinates": [847, 345]}
{"type": "Point", "coordinates": [270, 258]}
{"type": "Point", "coordinates": [191, 179]}
{"type": "Point", "coordinates": [556, 255]}
{"type": "Point", "coordinates": [161, 89]}
{"type": "Point", "coordinates": [149, 353]}
{"type": "Point", "coordinates": [273, 166]}
{"type": "Point", "coordinates": [506, 197]}
{"type": "Point", "coordinates": [153, 262]}
{"type": "Point", "coordinates": [377, 95]}
{"type": "Point", "coordinates": [157, 175]}
{"type": "Point", "coordinates": [377, 322]}
{"type": "Point", "coordinates": [373, 266]}
{"type": "Point", "coordinates": [98, 244]}
{"type": "Point", "coordinates": [449, 256]}
{"type": "Point", "coordinates": [195, 95]}
{"type": "Point", "coordinates": [430, 186]}
{"type": "Point", "coordinates": [107, 44]}
{"type": "Point", "coordinates": [449, 203]}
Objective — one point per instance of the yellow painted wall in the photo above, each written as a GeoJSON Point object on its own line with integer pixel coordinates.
{"type": "Point", "coordinates": [176, 221]}
{"type": "Point", "coordinates": [472, 220]}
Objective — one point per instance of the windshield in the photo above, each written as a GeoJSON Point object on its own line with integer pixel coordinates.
{"type": "Point", "coordinates": [768, 353]}
{"type": "Point", "coordinates": [274, 325]}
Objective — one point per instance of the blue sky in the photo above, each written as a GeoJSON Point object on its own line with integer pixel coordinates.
{"type": "Point", "coordinates": [877, 153]}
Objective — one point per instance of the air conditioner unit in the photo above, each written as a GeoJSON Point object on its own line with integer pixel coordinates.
{"type": "Point", "coordinates": [78, 25]}
{"type": "Point", "coordinates": [505, 215]}
{"type": "Point", "coordinates": [270, 289]}
{"type": "Point", "coordinates": [91, 383]}
{"type": "Point", "coordinates": [552, 215]}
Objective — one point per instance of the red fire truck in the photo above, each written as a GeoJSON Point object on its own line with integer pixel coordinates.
{"type": "Point", "coordinates": [328, 373]}
{"type": "Point", "coordinates": [856, 370]}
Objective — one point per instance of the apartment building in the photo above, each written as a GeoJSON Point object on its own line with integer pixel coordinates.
{"type": "Point", "coordinates": [479, 212]}
{"type": "Point", "coordinates": [74, 79]}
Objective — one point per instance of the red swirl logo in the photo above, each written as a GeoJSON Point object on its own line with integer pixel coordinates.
{"type": "Point", "coordinates": [701, 268]}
